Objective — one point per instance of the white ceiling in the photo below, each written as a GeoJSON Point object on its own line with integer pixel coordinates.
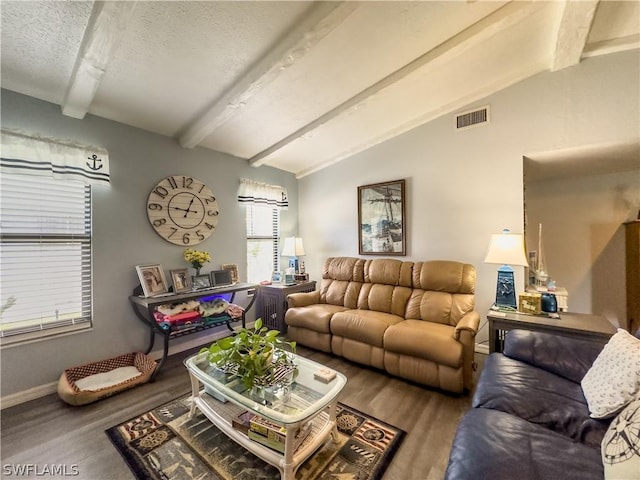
{"type": "Point", "coordinates": [294, 85]}
{"type": "Point", "coordinates": [585, 160]}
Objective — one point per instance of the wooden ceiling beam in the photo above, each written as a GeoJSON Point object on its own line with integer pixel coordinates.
{"type": "Point", "coordinates": [321, 20]}
{"type": "Point", "coordinates": [573, 31]}
{"type": "Point", "coordinates": [502, 19]}
{"type": "Point", "coordinates": [102, 37]}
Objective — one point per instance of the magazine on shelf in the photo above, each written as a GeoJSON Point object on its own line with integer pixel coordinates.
{"type": "Point", "coordinates": [275, 435]}
{"type": "Point", "coordinates": [266, 432]}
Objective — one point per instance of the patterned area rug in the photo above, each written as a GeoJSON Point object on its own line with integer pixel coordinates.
{"type": "Point", "coordinates": [165, 444]}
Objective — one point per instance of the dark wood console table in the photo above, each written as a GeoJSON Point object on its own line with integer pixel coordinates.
{"type": "Point", "coordinates": [577, 325]}
{"type": "Point", "coordinates": [145, 309]}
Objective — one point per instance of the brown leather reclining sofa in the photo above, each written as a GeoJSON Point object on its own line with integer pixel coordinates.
{"type": "Point", "coordinates": [413, 320]}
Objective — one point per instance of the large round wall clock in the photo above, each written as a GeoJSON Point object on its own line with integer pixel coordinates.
{"type": "Point", "coordinates": [182, 210]}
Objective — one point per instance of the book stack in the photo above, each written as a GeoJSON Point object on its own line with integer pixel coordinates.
{"type": "Point", "coordinates": [267, 433]}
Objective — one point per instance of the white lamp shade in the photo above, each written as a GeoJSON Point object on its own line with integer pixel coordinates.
{"type": "Point", "coordinates": [292, 247]}
{"type": "Point", "coordinates": [507, 249]}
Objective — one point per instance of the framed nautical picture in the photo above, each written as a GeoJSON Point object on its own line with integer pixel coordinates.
{"type": "Point", "coordinates": [381, 219]}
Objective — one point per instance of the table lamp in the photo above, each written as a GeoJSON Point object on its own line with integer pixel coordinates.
{"type": "Point", "coordinates": [293, 248]}
{"type": "Point", "coordinates": [506, 249]}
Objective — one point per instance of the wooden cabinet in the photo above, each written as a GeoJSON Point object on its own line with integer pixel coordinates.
{"type": "Point", "coordinates": [272, 303]}
{"type": "Point", "coordinates": [632, 265]}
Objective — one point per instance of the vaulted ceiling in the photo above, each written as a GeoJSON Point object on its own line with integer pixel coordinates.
{"type": "Point", "coordinates": [295, 85]}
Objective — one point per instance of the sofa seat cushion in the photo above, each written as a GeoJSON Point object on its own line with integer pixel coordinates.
{"type": "Point", "coordinates": [313, 317]}
{"type": "Point", "coordinates": [366, 326]}
{"type": "Point", "coordinates": [538, 396]}
{"type": "Point", "coordinates": [499, 446]}
{"type": "Point", "coordinates": [426, 340]}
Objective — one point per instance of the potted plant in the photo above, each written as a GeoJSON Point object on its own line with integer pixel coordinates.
{"type": "Point", "coordinates": [258, 356]}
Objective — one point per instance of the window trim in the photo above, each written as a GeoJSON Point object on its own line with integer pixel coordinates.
{"type": "Point", "coordinates": [44, 330]}
{"type": "Point", "coordinates": [275, 232]}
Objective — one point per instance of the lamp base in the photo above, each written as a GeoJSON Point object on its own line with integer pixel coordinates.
{"type": "Point", "coordinates": [505, 289]}
{"type": "Point", "coordinates": [293, 263]}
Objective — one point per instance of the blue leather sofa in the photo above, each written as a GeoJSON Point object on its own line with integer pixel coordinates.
{"type": "Point", "coordinates": [530, 420]}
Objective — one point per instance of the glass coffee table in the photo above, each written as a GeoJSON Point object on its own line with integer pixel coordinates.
{"type": "Point", "coordinates": [309, 405]}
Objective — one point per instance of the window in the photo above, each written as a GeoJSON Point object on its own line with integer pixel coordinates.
{"type": "Point", "coordinates": [263, 231]}
{"type": "Point", "coordinates": [45, 256]}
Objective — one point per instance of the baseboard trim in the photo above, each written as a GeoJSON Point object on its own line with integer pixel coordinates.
{"type": "Point", "coordinates": [43, 390]}
{"type": "Point", "coordinates": [482, 348]}
{"type": "Point", "coordinates": [28, 395]}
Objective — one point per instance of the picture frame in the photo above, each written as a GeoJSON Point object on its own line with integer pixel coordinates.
{"type": "Point", "coordinates": [152, 279]}
{"type": "Point", "coordinates": [221, 278]}
{"type": "Point", "coordinates": [381, 218]}
{"type": "Point", "coordinates": [235, 276]}
{"type": "Point", "coordinates": [289, 279]}
{"type": "Point", "coordinates": [201, 281]}
{"type": "Point", "coordinates": [276, 278]}
{"type": "Point", "coordinates": [181, 280]}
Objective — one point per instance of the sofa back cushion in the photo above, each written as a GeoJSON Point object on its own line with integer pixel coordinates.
{"type": "Point", "coordinates": [443, 291]}
{"type": "Point", "coordinates": [342, 279]}
{"type": "Point", "coordinates": [387, 286]}
{"type": "Point", "coordinates": [439, 291]}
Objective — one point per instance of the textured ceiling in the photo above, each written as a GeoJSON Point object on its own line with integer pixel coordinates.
{"type": "Point", "coordinates": [294, 85]}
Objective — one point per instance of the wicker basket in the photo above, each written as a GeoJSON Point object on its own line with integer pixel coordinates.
{"type": "Point", "coordinates": [73, 395]}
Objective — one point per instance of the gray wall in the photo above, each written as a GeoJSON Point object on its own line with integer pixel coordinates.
{"type": "Point", "coordinates": [463, 186]}
{"type": "Point", "coordinates": [122, 235]}
{"type": "Point", "coordinates": [583, 236]}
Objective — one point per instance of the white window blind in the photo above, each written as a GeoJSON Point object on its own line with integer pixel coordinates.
{"type": "Point", "coordinates": [263, 232]}
{"type": "Point", "coordinates": [45, 256]}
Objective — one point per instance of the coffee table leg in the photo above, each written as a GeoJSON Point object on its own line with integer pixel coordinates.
{"type": "Point", "coordinates": [332, 417]}
{"type": "Point", "coordinates": [288, 472]}
{"type": "Point", "coordinates": [195, 393]}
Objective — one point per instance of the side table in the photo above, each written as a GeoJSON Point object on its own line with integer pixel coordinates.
{"type": "Point", "coordinates": [271, 304]}
{"type": "Point", "coordinates": [576, 325]}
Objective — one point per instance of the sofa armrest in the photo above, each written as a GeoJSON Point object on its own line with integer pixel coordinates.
{"type": "Point", "coordinates": [468, 323]}
{"type": "Point", "coordinates": [303, 299]}
{"type": "Point", "coordinates": [568, 357]}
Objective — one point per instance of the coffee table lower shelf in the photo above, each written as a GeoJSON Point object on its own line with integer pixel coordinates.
{"type": "Point", "coordinates": [220, 414]}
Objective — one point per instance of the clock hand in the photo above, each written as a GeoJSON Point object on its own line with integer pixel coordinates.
{"type": "Point", "coordinates": [186, 212]}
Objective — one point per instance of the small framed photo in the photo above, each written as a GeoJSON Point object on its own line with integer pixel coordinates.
{"type": "Point", "coordinates": [276, 278]}
{"type": "Point", "coordinates": [235, 276]}
{"type": "Point", "coordinates": [152, 280]}
{"type": "Point", "coordinates": [201, 281]}
{"type": "Point", "coordinates": [289, 279]}
{"type": "Point", "coordinates": [181, 280]}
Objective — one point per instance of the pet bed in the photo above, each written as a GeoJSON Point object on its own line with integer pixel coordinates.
{"type": "Point", "coordinates": [95, 381]}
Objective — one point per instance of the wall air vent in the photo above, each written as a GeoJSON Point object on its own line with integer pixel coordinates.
{"type": "Point", "coordinates": [473, 118]}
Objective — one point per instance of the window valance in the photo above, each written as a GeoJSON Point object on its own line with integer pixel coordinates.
{"type": "Point", "coordinates": [262, 194]}
{"type": "Point", "coordinates": [33, 154]}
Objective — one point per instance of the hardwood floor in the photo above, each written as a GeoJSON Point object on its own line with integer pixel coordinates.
{"type": "Point", "coordinates": [49, 432]}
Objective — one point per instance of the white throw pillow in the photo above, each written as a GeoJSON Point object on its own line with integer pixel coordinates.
{"type": "Point", "coordinates": [621, 445]}
{"type": "Point", "coordinates": [614, 378]}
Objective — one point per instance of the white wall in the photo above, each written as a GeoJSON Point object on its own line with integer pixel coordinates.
{"type": "Point", "coordinates": [583, 236]}
{"type": "Point", "coordinates": [464, 186]}
{"type": "Point", "coordinates": [123, 237]}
